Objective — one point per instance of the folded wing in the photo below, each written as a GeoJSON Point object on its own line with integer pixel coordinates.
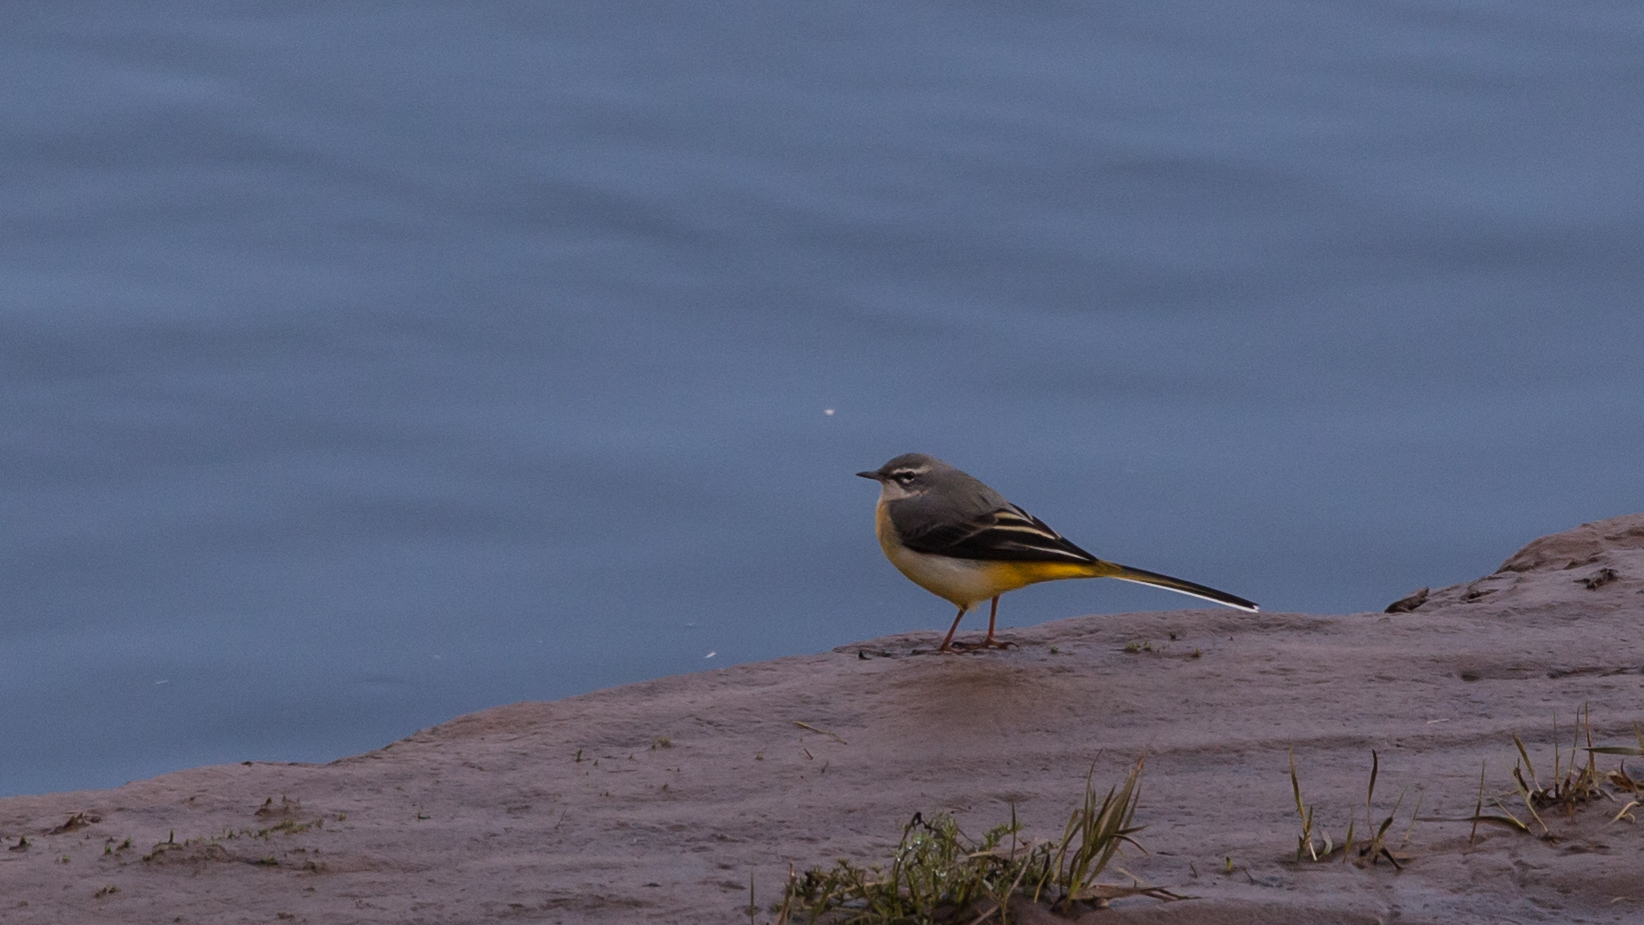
{"type": "Point", "coordinates": [1007, 534]}
{"type": "Point", "coordinates": [1010, 534]}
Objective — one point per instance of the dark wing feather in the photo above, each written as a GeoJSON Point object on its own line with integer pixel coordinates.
{"type": "Point", "coordinates": [1007, 533]}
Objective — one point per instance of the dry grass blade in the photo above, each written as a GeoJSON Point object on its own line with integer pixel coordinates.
{"type": "Point", "coordinates": [1304, 842]}
{"type": "Point", "coordinates": [1528, 797]}
{"type": "Point", "coordinates": [1094, 833]}
{"type": "Point", "coordinates": [1107, 891]}
{"type": "Point", "coordinates": [1524, 754]}
{"type": "Point", "coordinates": [1478, 809]}
{"type": "Point", "coordinates": [1627, 812]}
{"type": "Point", "coordinates": [1629, 750]}
{"type": "Point", "coordinates": [1527, 789]}
{"type": "Point", "coordinates": [1415, 814]}
{"type": "Point", "coordinates": [1556, 755]}
{"type": "Point", "coordinates": [1377, 847]}
{"type": "Point", "coordinates": [1370, 795]}
{"type": "Point", "coordinates": [833, 735]}
{"type": "Point", "coordinates": [784, 912]}
{"type": "Point", "coordinates": [1507, 819]}
{"type": "Point", "coordinates": [1621, 780]}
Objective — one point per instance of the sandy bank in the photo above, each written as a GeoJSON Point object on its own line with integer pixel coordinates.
{"type": "Point", "coordinates": [653, 802]}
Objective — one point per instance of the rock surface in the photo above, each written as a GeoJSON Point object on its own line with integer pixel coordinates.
{"type": "Point", "coordinates": [656, 802]}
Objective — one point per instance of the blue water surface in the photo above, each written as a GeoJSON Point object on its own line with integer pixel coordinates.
{"type": "Point", "coordinates": [366, 364]}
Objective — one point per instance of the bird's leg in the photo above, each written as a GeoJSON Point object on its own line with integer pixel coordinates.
{"type": "Point", "coordinates": [947, 644]}
{"type": "Point", "coordinates": [990, 643]}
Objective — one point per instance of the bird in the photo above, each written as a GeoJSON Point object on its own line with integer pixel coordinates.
{"type": "Point", "coordinates": [962, 541]}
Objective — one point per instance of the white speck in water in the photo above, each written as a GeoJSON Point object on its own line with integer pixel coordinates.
{"type": "Point", "coordinates": [828, 412]}
{"type": "Point", "coordinates": [158, 683]}
{"type": "Point", "coordinates": [711, 654]}
{"type": "Point", "coordinates": [691, 625]}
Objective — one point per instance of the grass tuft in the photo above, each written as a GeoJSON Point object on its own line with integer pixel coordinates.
{"type": "Point", "coordinates": [1369, 851]}
{"type": "Point", "coordinates": [1094, 833]}
{"type": "Point", "coordinates": [1572, 785]}
{"type": "Point", "coordinates": [938, 875]}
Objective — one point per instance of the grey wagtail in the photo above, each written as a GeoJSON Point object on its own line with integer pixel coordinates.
{"type": "Point", "coordinates": [963, 542]}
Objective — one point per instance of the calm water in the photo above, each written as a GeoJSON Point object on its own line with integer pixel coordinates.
{"type": "Point", "coordinates": [363, 365]}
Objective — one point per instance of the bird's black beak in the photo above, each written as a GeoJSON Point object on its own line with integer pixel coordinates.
{"type": "Point", "coordinates": [872, 475]}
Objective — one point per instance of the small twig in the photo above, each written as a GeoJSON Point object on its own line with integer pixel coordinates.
{"type": "Point", "coordinates": [820, 731]}
{"type": "Point", "coordinates": [1478, 810]}
{"type": "Point", "coordinates": [1414, 814]}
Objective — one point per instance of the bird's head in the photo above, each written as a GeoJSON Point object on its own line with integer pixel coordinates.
{"type": "Point", "coordinates": [905, 476]}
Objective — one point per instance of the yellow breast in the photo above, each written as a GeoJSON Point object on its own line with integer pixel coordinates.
{"type": "Point", "coordinates": [965, 582]}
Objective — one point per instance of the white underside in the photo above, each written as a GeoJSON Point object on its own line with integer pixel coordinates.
{"type": "Point", "coordinates": [965, 582]}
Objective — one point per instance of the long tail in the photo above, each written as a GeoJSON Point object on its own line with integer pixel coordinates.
{"type": "Point", "coordinates": [1126, 573]}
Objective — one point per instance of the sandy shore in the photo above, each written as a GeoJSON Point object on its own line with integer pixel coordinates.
{"type": "Point", "coordinates": [656, 802]}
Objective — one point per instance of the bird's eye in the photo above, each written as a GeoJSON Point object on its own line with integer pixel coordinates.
{"type": "Point", "coordinates": [902, 476]}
